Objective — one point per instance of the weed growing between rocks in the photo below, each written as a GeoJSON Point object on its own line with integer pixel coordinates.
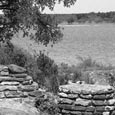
{"type": "Point", "coordinates": [47, 103]}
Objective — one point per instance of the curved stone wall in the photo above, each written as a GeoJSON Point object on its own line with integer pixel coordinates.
{"type": "Point", "coordinates": [85, 99]}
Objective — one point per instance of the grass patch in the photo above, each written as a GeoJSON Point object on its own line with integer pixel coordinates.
{"type": "Point", "coordinates": [45, 71]}
{"type": "Point", "coordinates": [78, 72]}
{"type": "Point", "coordinates": [90, 64]}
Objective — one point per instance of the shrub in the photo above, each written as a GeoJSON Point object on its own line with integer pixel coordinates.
{"type": "Point", "coordinates": [70, 20]}
{"type": "Point", "coordinates": [10, 54]}
{"type": "Point", "coordinates": [49, 72]}
{"type": "Point", "coordinates": [67, 73]}
{"type": "Point", "coordinates": [47, 104]}
{"type": "Point", "coordinates": [5, 52]}
{"type": "Point", "coordinates": [40, 67]}
{"type": "Point", "coordinates": [19, 58]}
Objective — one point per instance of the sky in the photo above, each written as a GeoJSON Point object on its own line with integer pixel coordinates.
{"type": "Point", "coordinates": [85, 6]}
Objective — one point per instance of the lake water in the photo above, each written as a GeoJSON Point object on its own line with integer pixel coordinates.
{"type": "Point", "coordinates": [96, 41]}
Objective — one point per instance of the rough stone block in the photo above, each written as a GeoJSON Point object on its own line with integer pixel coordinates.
{"type": "Point", "coordinates": [23, 75]}
{"type": "Point", "coordinates": [9, 83]}
{"type": "Point", "coordinates": [99, 92]}
{"type": "Point", "coordinates": [62, 95]}
{"type": "Point", "coordinates": [65, 111]}
{"type": "Point", "coordinates": [84, 92]}
{"type": "Point", "coordinates": [28, 78]}
{"type": "Point", "coordinates": [66, 107]}
{"type": "Point", "coordinates": [72, 96]}
{"type": "Point", "coordinates": [12, 94]}
{"type": "Point", "coordinates": [64, 90]}
{"type": "Point", "coordinates": [110, 91]}
{"type": "Point", "coordinates": [35, 93]}
{"type": "Point", "coordinates": [99, 97]}
{"type": "Point", "coordinates": [97, 113]}
{"type": "Point", "coordinates": [106, 113]}
{"type": "Point", "coordinates": [9, 88]}
{"type": "Point", "coordinates": [2, 95]}
{"type": "Point", "coordinates": [15, 94]}
{"type": "Point", "coordinates": [71, 107]}
{"type": "Point", "coordinates": [90, 109]}
{"type": "Point", "coordinates": [100, 109]}
{"type": "Point", "coordinates": [110, 96]}
{"type": "Point", "coordinates": [76, 113]}
{"type": "Point", "coordinates": [27, 82]}
{"type": "Point", "coordinates": [111, 102]}
{"type": "Point", "coordinates": [86, 96]}
{"type": "Point", "coordinates": [3, 68]}
{"type": "Point", "coordinates": [28, 88]}
{"type": "Point", "coordinates": [82, 102]}
{"type": "Point", "coordinates": [109, 108]}
{"type": "Point", "coordinates": [4, 73]}
{"type": "Point", "coordinates": [66, 101]}
{"type": "Point", "coordinates": [71, 112]}
{"type": "Point", "coordinates": [24, 94]}
{"type": "Point", "coordinates": [16, 69]}
{"type": "Point", "coordinates": [11, 79]}
{"type": "Point", "coordinates": [87, 113]}
{"type": "Point", "coordinates": [99, 103]}
{"type": "Point", "coordinates": [80, 108]}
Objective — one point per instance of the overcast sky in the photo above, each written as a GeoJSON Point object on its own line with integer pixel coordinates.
{"type": "Point", "coordinates": [85, 6]}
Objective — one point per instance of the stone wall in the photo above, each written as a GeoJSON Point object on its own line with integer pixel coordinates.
{"type": "Point", "coordinates": [85, 99]}
{"type": "Point", "coordinates": [16, 91]}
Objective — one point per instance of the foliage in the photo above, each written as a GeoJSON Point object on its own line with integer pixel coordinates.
{"type": "Point", "coordinates": [49, 72]}
{"type": "Point", "coordinates": [70, 20]}
{"type": "Point", "coordinates": [10, 54]}
{"type": "Point", "coordinates": [78, 72]}
{"type": "Point", "coordinates": [28, 14]}
{"type": "Point", "coordinates": [41, 68]}
{"type": "Point", "coordinates": [66, 73]}
{"type": "Point", "coordinates": [89, 64]}
{"type": "Point", "coordinates": [46, 104]}
{"type": "Point", "coordinates": [100, 17]}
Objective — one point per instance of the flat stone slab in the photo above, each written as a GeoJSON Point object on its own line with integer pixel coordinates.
{"type": "Point", "coordinates": [16, 69]}
{"type": "Point", "coordinates": [16, 108]}
{"type": "Point", "coordinates": [86, 88]}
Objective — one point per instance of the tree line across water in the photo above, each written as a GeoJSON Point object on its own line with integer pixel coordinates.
{"type": "Point", "coordinates": [100, 17]}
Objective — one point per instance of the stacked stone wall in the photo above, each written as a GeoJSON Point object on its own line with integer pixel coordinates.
{"type": "Point", "coordinates": [17, 91]}
{"type": "Point", "coordinates": [85, 99]}
{"type": "Point", "coordinates": [16, 84]}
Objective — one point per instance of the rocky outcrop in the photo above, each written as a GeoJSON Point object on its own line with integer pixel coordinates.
{"type": "Point", "coordinates": [85, 99]}
{"type": "Point", "coordinates": [17, 90]}
{"type": "Point", "coordinates": [9, 107]}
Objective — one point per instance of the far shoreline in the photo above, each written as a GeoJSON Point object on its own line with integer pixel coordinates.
{"type": "Point", "coordinates": [85, 24]}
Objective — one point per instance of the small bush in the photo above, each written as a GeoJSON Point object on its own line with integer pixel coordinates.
{"type": "Point", "coordinates": [12, 55]}
{"type": "Point", "coordinates": [67, 73]}
{"type": "Point", "coordinates": [86, 63]}
{"type": "Point", "coordinates": [70, 20]}
{"type": "Point", "coordinates": [19, 58]}
{"type": "Point", "coordinates": [49, 72]}
{"type": "Point", "coordinates": [47, 104]}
